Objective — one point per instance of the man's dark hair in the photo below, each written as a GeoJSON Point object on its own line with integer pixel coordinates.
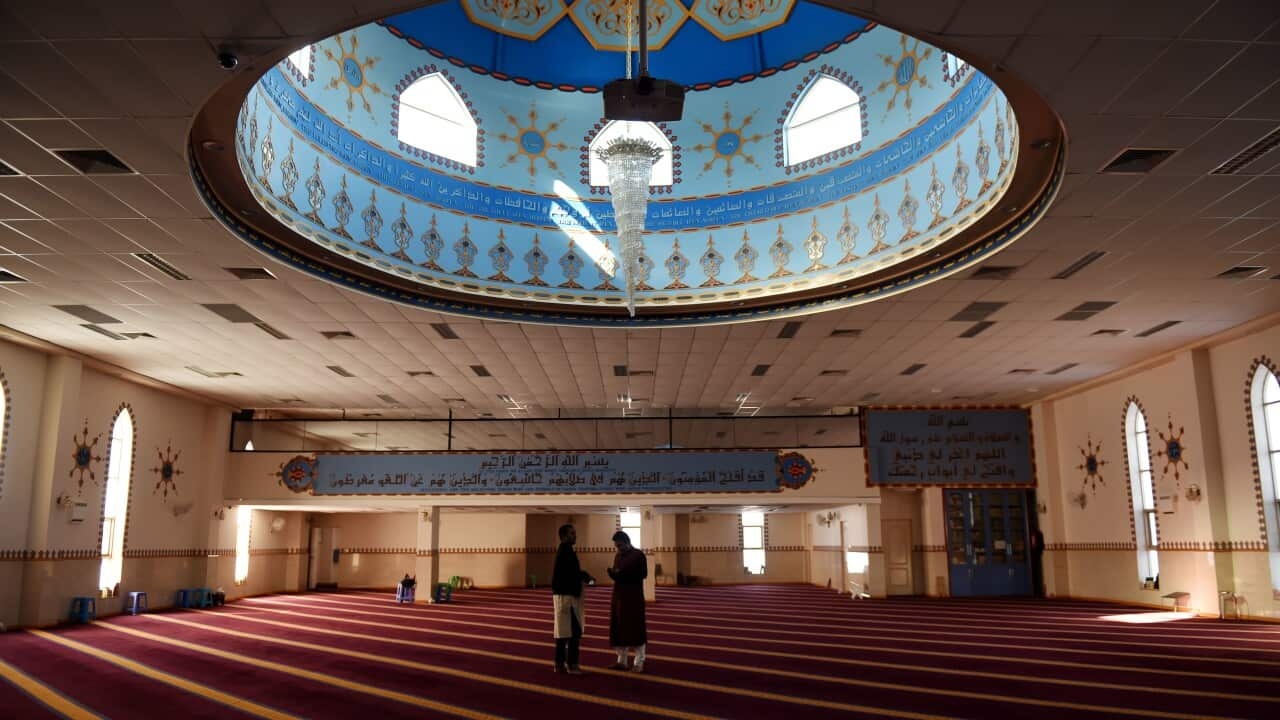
{"type": "Point", "coordinates": [622, 537]}
{"type": "Point", "coordinates": [564, 530]}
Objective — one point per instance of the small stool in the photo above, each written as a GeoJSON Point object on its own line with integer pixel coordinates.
{"type": "Point", "coordinates": [84, 609]}
{"type": "Point", "coordinates": [444, 592]}
{"type": "Point", "coordinates": [182, 598]}
{"type": "Point", "coordinates": [200, 598]}
{"type": "Point", "coordinates": [405, 594]}
{"type": "Point", "coordinates": [1179, 599]}
{"type": "Point", "coordinates": [137, 603]}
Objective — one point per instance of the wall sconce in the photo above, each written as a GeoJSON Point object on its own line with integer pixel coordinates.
{"type": "Point", "coordinates": [826, 520]}
{"type": "Point", "coordinates": [220, 512]}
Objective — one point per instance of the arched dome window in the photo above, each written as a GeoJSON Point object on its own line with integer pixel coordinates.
{"type": "Point", "coordinates": [434, 119]}
{"type": "Point", "coordinates": [827, 117]}
{"type": "Point", "coordinates": [953, 67]}
{"type": "Point", "coordinates": [300, 59]}
{"type": "Point", "coordinates": [662, 170]}
{"type": "Point", "coordinates": [1146, 531]}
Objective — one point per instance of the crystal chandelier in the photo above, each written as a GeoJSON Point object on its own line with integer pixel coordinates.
{"type": "Point", "coordinates": [630, 162]}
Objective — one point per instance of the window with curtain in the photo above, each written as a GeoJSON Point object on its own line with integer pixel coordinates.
{"type": "Point", "coordinates": [434, 118]}
{"type": "Point", "coordinates": [1146, 530]}
{"type": "Point", "coordinates": [116, 507]}
{"type": "Point", "coordinates": [828, 117]}
{"type": "Point", "coordinates": [753, 541]}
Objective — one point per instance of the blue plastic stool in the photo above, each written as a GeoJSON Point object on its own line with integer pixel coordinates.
{"type": "Point", "coordinates": [405, 594]}
{"type": "Point", "coordinates": [137, 603]}
{"type": "Point", "coordinates": [84, 609]}
{"type": "Point", "coordinates": [182, 599]}
{"type": "Point", "coordinates": [201, 598]}
{"type": "Point", "coordinates": [444, 592]}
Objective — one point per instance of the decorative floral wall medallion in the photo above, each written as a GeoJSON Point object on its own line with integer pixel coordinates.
{"type": "Point", "coordinates": [815, 246]}
{"type": "Point", "coordinates": [167, 472]}
{"type": "Point", "coordinates": [84, 457]}
{"type": "Point", "coordinates": [795, 470]}
{"type": "Point", "coordinates": [847, 236]}
{"type": "Point", "coordinates": [402, 234]}
{"type": "Point", "coordinates": [432, 246]}
{"type": "Point", "coordinates": [1173, 453]}
{"type": "Point", "coordinates": [298, 474]}
{"type": "Point", "coordinates": [465, 251]}
{"type": "Point", "coordinates": [1091, 464]}
{"type": "Point", "coordinates": [745, 257]}
{"type": "Point", "coordinates": [711, 261]}
{"type": "Point", "coordinates": [500, 256]}
{"type": "Point", "coordinates": [536, 260]}
{"type": "Point", "coordinates": [780, 252]}
{"type": "Point", "coordinates": [372, 218]}
{"type": "Point", "coordinates": [342, 209]}
{"type": "Point", "coordinates": [315, 194]}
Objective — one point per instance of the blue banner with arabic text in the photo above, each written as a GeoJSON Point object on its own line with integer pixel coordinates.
{"type": "Point", "coordinates": [537, 472]}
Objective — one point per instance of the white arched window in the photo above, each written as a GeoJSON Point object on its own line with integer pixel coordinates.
{"type": "Point", "coordinates": [1264, 398]}
{"type": "Point", "coordinates": [116, 508]}
{"type": "Point", "coordinates": [663, 172]}
{"type": "Point", "coordinates": [434, 118]}
{"type": "Point", "coordinates": [300, 59]}
{"type": "Point", "coordinates": [1144, 497]}
{"type": "Point", "coordinates": [827, 117]}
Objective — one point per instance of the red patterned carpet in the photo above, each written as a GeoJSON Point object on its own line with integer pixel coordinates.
{"type": "Point", "coordinates": [735, 652]}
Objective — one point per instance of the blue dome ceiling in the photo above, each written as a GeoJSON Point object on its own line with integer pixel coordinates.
{"type": "Point", "coordinates": [565, 51]}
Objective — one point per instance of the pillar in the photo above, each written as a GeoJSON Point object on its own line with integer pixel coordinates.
{"type": "Point", "coordinates": [427, 567]}
{"type": "Point", "coordinates": [651, 530]}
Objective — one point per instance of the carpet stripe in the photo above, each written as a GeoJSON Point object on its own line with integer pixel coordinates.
{"type": "Point", "coordinates": [45, 695]}
{"type": "Point", "coordinates": [297, 672]}
{"type": "Point", "coordinates": [540, 616]}
{"type": "Point", "coordinates": [512, 683]}
{"type": "Point", "coordinates": [476, 677]}
{"type": "Point", "coordinates": [194, 688]}
{"type": "Point", "coordinates": [872, 684]}
{"type": "Point", "coordinates": [776, 653]}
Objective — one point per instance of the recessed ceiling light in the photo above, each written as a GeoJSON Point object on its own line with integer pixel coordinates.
{"type": "Point", "coordinates": [88, 314]}
{"type": "Point", "coordinates": [231, 313]}
{"type": "Point", "coordinates": [481, 371]}
{"type": "Point", "coordinates": [1158, 328]}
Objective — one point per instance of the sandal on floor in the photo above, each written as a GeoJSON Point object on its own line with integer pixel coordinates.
{"type": "Point", "coordinates": [618, 666]}
{"type": "Point", "coordinates": [637, 668]}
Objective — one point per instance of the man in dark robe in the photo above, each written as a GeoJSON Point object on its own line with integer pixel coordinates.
{"type": "Point", "coordinates": [566, 596]}
{"type": "Point", "coordinates": [626, 612]}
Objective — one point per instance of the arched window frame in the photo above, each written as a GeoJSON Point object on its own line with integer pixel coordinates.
{"type": "Point", "coordinates": [954, 68]}
{"type": "Point", "coordinates": [1146, 526]}
{"type": "Point", "coordinates": [1264, 427]}
{"type": "Point", "coordinates": [301, 63]}
{"type": "Point", "coordinates": [4, 425]}
{"type": "Point", "coordinates": [665, 172]}
{"type": "Point", "coordinates": [113, 533]}
{"type": "Point", "coordinates": [468, 162]}
{"type": "Point", "coordinates": [783, 136]}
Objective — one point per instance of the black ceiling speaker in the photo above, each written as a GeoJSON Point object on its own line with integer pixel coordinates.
{"type": "Point", "coordinates": [644, 99]}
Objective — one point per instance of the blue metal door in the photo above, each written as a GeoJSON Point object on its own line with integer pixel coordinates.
{"type": "Point", "coordinates": [987, 542]}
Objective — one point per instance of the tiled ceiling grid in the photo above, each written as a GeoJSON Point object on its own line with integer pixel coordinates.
{"type": "Point", "coordinates": [1194, 76]}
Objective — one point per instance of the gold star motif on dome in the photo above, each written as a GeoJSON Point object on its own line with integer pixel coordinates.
{"type": "Point", "coordinates": [905, 73]}
{"type": "Point", "coordinates": [353, 73]}
{"type": "Point", "coordinates": [532, 142]}
{"type": "Point", "coordinates": [727, 143]}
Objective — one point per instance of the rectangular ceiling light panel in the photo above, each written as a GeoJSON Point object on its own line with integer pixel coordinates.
{"type": "Point", "coordinates": [88, 314]}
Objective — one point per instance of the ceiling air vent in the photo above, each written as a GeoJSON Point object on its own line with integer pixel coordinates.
{"type": "Point", "coordinates": [1158, 328]}
{"type": "Point", "coordinates": [421, 373]}
{"type": "Point", "coordinates": [759, 370]}
{"type": "Point", "coordinates": [88, 314]}
{"type": "Point", "coordinates": [338, 335]}
{"type": "Point", "coordinates": [481, 371]}
{"type": "Point", "coordinates": [619, 370]}
{"type": "Point", "coordinates": [1079, 265]}
{"type": "Point", "coordinates": [976, 311]}
{"type": "Point", "coordinates": [445, 331]}
{"type": "Point", "coordinates": [1112, 332]}
{"type": "Point", "coordinates": [139, 335]}
{"type": "Point", "coordinates": [1085, 310]}
{"type": "Point", "coordinates": [232, 313]}
{"type": "Point", "coordinates": [10, 277]}
{"type": "Point", "coordinates": [272, 331]}
{"type": "Point", "coordinates": [103, 331]}
{"type": "Point", "coordinates": [833, 373]}
{"type": "Point", "coordinates": [789, 330]}
{"type": "Point", "coordinates": [1021, 371]}
{"type": "Point", "coordinates": [540, 436]}
{"type": "Point", "coordinates": [801, 399]}
{"type": "Point", "coordinates": [869, 397]}
{"type": "Point", "coordinates": [977, 328]}
{"type": "Point", "coordinates": [213, 373]}
{"type": "Point", "coordinates": [6, 170]}
{"type": "Point", "coordinates": [913, 369]}
{"type": "Point", "coordinates": [94, 162]}
{"type": "Point", "coordinates": [459, 401]}
{"type": "Point", "coordinates": [1138, 160]}
{"type": "Point", "coordinates": [1249, 154]}
{"type": "Point", "coordinates": [251, 273]}
{"type": "Point", "coordinates": [1062, 368]}
{"type": "Point", "coordinates": [641, 373]}
{"type": "Point", "coordinates": [388, 400]}
{"type": "Point", "coordinates": [1242, 271]}
{"type": "Point", "coordinates": [156, 262]}
{"type": "Point", "coordinates": [994, 272]}
{"type": "Point", "coordinates": [339, 370]}
{"type": "Point", "coordinates": [846, 332]}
